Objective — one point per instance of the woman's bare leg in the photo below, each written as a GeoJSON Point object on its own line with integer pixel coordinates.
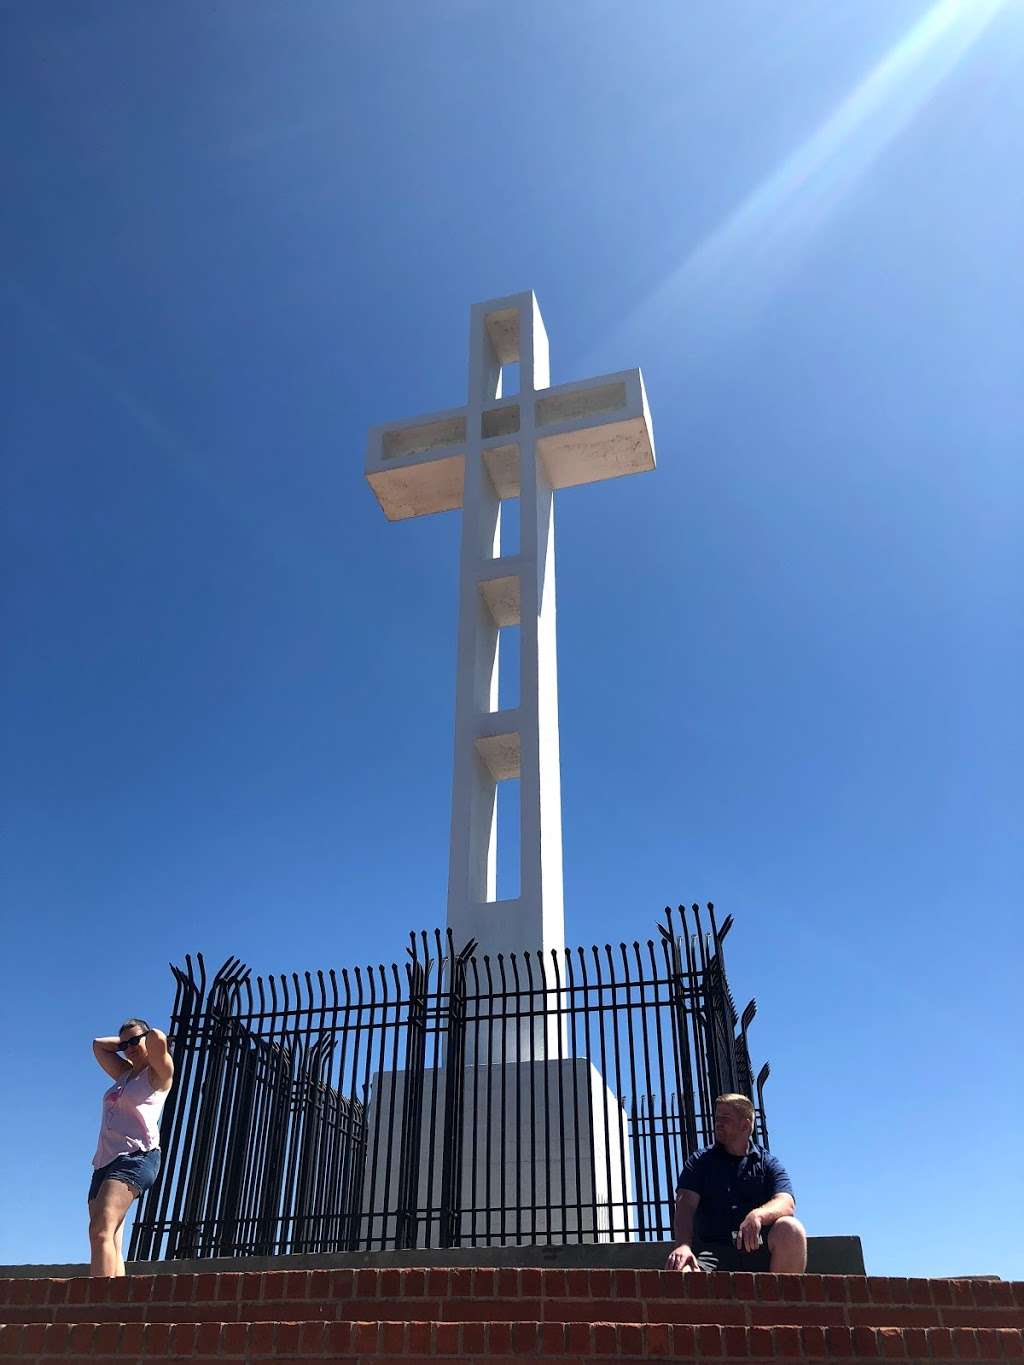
{"type": "Point", "coordinates": [106, 1217]}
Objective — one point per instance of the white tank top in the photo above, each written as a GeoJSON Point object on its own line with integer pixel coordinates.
{"type": "Point", "coordinates": [130, 1120]}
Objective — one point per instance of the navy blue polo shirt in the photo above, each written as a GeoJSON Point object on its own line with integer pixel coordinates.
{"type": "Point", "coordinates": [729, 1187]}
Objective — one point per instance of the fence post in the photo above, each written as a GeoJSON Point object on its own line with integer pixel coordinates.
{"type": "Point", "coordinates": [454, 1093]}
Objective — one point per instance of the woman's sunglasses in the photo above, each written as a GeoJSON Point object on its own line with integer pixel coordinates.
{"type": "Point", "coordinates": [132, 1042]}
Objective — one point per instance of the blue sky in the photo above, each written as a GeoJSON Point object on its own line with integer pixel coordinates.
{"type": "Point", "coordinates": [236, 236]}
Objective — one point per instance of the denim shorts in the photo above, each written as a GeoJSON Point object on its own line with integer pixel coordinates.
{"type": "Point", "coordinates": [138, 1170]}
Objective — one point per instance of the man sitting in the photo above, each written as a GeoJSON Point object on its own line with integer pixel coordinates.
{"type": "Point", "coordinates": [735, 1201]}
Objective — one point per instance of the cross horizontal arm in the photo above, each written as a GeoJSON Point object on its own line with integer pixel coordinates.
{"type": "Point", "coordinates": [587, 431]}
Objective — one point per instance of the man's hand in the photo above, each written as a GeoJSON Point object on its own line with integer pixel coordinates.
{"type": "Point", "coordinates": [682, 1258]}
{"type": "Point", "coordinates": [750, 1231]}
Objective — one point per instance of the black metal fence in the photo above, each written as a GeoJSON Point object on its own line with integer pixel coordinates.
{"type": "Point", "coordinates": [454, 1100]}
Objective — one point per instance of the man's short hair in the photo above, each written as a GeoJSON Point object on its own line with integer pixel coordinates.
{"type": "Point", "coordinates": [739, 1102]}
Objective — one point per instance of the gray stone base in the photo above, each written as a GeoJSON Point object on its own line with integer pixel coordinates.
{"type": "Point", "coordinates": [825, 1256]}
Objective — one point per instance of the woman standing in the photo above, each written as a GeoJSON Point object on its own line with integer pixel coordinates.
{"type": "Point", "coordinates": [127, 1159]}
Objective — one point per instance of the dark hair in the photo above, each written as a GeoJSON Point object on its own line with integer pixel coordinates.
{"type": "Point", "coordinates": [134, 1023]}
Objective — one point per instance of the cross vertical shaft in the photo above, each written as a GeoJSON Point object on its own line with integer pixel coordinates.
{"type": "Point", "coordinates": [493, 745]}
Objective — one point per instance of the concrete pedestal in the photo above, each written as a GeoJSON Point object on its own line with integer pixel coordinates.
{"type": "Point", "coordinates": [543, 1154]}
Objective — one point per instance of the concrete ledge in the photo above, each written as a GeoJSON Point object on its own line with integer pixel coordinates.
{"type": "Point", "coordinates": [826, 1256]}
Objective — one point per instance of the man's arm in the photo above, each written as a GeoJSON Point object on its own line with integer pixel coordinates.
{"type": "Point", "coordinates": [779, 1206]}
{"type": "Point", "coordinates": [161, 1063]}
{"type": "Point", "coordinates": [105, 1052]}
{"type": "Point", "coordinates": [682, 1257]}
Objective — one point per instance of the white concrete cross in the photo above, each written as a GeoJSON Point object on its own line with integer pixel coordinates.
{"type": "Point", "coordinates": [475, 457]}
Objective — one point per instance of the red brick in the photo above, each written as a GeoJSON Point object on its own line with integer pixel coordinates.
{"type": "Point", "coordinates": [287, 1338]}
{"type": "Point", "coordinates": [474, 1338]}
{"type": "Point", "coordinates": [787, 1341]}
{"type": "Point", "coordinates": [920, 1291]}
{"type": "Point", "coordinates": [988, 1342]}
{"type": "Point", "coordinates": [311, 1337]}
{"type": "Point", "coordinates": [709, 1340]}
{"type": "Point", "coordinates": [446, 1338]}
{"type": "Point", "coordinates": [364, 1338]}
{"type": "Point", "coordinates": [261, 1338]}
{"type": "Point", "coordinates": [296, 1284]}
{"type": "Point", "coordinates": [337, 1337]}
{"type": "Point", "coordinates": [499, 1338]}
{"type": "Point", "coordinates": [942, 1292]}
{"type": "Point", "coordinates": [836, 1287]}
{"type": "Point", "coordinates": [770, 1288]}
{"type": "Point", "coordinates": [718, 1287]}
{"type": "Point", "coordinates": [865, 1341]}
{"type": "Point", "coordinates": [1002, 1293]}
{"type": "Point", "coordinates": [899, 1289]}
{"type": "Point", "coordinates": [840, 1341]}
{"type": "Point", "coordinates": [392, 1338]}
{"type": "Point", "coordinates": [80, 1339]}
{"type": "Point", "coordinates": [155, 1338]}
{"type": "Point", "coordinates": [965, 1343]}
{"type": "Point", "coordinates": [990, 1317]}
{"type": "Point", "coordinates": [105, 1339]}
{"type": "Point", "coordinates": [319, 1287]}
{"type": "Point", "coordinates": [683, 1339]}
{"type": "Point", "coordinates": [206, 1288]}
{"type": "Point", "coordinates": [78, 1290]}
{"type": "Point", "coordinates": [578, 1284]}
{"type": "Point", "coordinates": [891, 1343]}
{"type": "Point", "coordinates": [10, 1339]}
{"type": "Point", "coordinates": [208, 1338]}
{"type": "Point", "coordinates": [857, 1289]}
{"type": "Point", "coordinates": [140, 1288]}
{"type": "Point", "coordinates": [940, 1339]}
{"type": "Point", "coordinates": [342, 1284]}
{"type": "Point", "coordinates": [737, 1341]}
{"type": "Point", "coordinates": [743, 1286]}
{"type": "Point", "coordinates": [183, 1338]}
{"type": "Point", "coordinates": [658, 1336]}
{"type": "Point", "coordinates": [800, 1315]}
{"type": "Point", "coordinates": [1017, 1287]}
{"type": "Point", "coordinates": [760, 1340]}
{"type": "Point", "coordinates": [916, 1339]}
{"type": "Point", "coordinates": [815, 1343]}
{"type": "Point", "coordinates": [234, 1338]}
{"type": "Point", "coordinates": [631, 1339]}
{"type": "Point", "coordinates": [33, 1335]}
{"type": "Point", "coordinates": [814, 1289]}
{"type": "Point", "coordinates": [963, 1293]}
{"type": "Point", "coordinates": [983, 1294]}
{"type": "Point", "coordinates": [624, 1284]}
{"type": "Point", "coordinates": [508, 1282]}
{"type": "Point", "coordinates": [389, 1283]}
{"type": "Point", "coordinates": [651, 1284]}
{"type": "Point", "coordinates": [57, 1291]}
{"type": "Point", "coordinates": [485, 1283]}
{"type": "Point", "coordinates": [419, 1338]}
{"type": "Point", "coordinates": [879, 1289]}
{"type": "Point", "coordinates": [577, 1338]}
{"type": "Point", "coordinates": [58, 1338]}
{"type": "Point", "coordinates": [437, 1283]}
{"type": "Point", "coordinates": [1012, 1344]}
{"type": "Point", "coordinates": [669, 1310]}
{"type": "Point", "coordinates": [525, 1338]}
{"type": "Point", "coordinates": [880, 1316]}
{"type": "Point", "coordinates": [556, 1285]}
{"type": "Point", "coordinates": [569, 1310]}
{"type": "Point", "coordinates": [530, 1283]}
{"type": "Point", "coordinates": [365, 1286]}
{"type": "Point", "coordinates": [604, 1339]}
{"type": "Point", "coordinates": [132, 1336]}
{"type": "Point", "coordinates": [601, 1284]}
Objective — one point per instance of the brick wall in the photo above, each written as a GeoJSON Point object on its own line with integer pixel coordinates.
{"type": "Point", "coordinates": [459, 1316]}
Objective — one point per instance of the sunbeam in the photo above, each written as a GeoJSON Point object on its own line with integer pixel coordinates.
{"type": "Point", "coordinates": [744, 257]}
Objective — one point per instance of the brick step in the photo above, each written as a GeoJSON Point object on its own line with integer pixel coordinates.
{"type": "Point", "coordinates": [517, 1295]}
{"type": "Point", "coordinates": [493, 1343]}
